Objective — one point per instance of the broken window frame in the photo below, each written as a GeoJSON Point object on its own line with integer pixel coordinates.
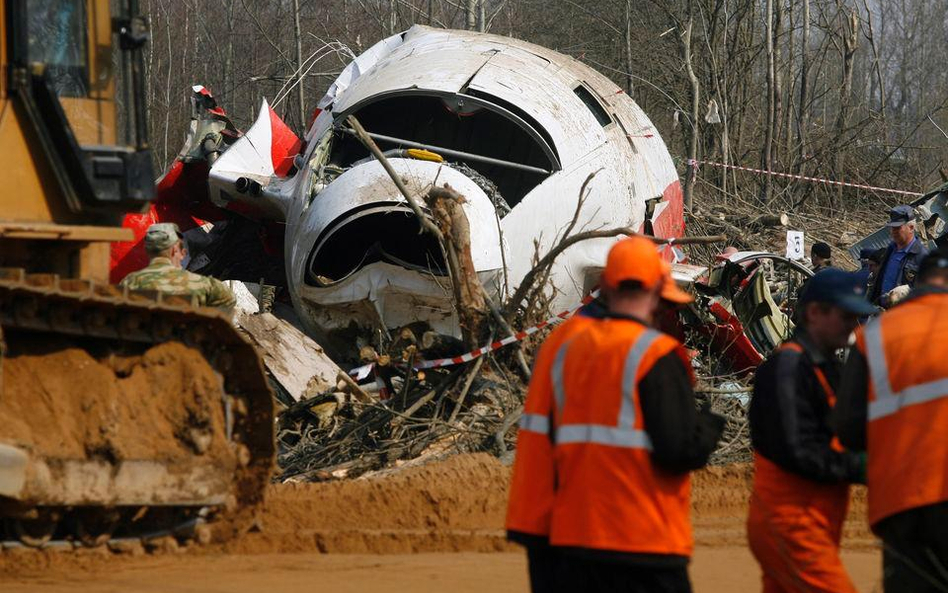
{"type": "Point", "coordinates": [536, 132]}
{"type": "Point", "coordinates": [584, 92]}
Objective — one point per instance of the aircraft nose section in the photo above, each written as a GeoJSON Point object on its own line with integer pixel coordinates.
{"type": "Point", "coordinates": [361, 218]}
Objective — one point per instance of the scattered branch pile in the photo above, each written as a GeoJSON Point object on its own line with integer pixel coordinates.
{"type": "Point", "coordinates": [463, 409]}
{"type": "Point", "coordinates": [408, 413]}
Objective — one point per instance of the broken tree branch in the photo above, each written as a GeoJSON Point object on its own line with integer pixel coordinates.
{"type": "Point", "coordinates": [446, 208]}
{"type": "Point", "coordinates": [505, 325]}
{"type": "Point", "coordinates": [467, 387]}
{"type": "Point", "coordinates": [353, 387]}
{"type": "Point", "coordinates": [364, 137]}
{"type": "Point", "coordinates": [534, 296]}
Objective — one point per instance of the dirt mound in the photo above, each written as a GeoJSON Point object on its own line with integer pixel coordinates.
{"type": "Point", "coordinates": [460, 504]}
{"type": "Point", "coordinates": [455, 504]}
{"type": "Point", "coordinates": [58, 400]}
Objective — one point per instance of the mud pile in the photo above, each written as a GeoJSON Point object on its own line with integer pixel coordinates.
{"type": "Point", "coordinates": [460, 504]}
{"type": "Point", "coordinates": [453, 505]}
{"type": "Point", "coordinates": [457, 504]}
{"type": "Point", "coordinates": [58, 400]}
{"type": "Point", "coordinates": [720, 496]}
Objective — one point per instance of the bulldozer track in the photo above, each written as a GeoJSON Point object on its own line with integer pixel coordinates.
{"type": "Point", "coordinates": [183, 530]}
{"type": "Point", "coordinates": [85, 309]}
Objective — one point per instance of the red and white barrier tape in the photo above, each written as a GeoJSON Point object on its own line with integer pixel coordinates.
{"type": "Point", "coordinates": [693, 164]}
{"type": "Point", "coordinates": [363, 371]}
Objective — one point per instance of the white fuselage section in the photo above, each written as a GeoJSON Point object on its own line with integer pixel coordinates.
{"type": "Point", "coordinates": [543, 123]}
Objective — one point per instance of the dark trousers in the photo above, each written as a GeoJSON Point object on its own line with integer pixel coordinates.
{"type": "Point", "coordinates": [915, 550]}
{"type": "Point", "coordinates": [541, 565]}
{"type": "Point", "coordinates": [578, 574]}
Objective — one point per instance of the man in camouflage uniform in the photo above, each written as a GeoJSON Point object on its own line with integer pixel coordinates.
{"type": "Point", "coordinates": [165, 247]}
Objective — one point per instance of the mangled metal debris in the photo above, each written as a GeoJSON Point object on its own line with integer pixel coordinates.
{"type": "Point", "coordinates": [538, 147]}
{"type": "Point", "coordinates": [931, 217]}
{"type": "Point", "coordinates": [514, 128]}
{"type": "Point", "coordinates": [744, 305]}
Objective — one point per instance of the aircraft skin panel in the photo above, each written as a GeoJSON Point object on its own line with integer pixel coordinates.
{"type": "Point", "coordinates": [548, 98]}
{"type": "Point", "coordinates": [444, 71]}
{"type": "Point", "coordinates": [546, 211]}
{"type": "Point", "coordinates": [368, 185]}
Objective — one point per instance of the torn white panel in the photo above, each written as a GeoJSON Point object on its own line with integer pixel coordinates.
{"type": "Point", "coordinates": [659, 208]}
{"type": "Point", "coordinates": [297, 362]}
{"type": "Point", "coordinates": [247, 295]}
{"type": "Point", "coordinates": [243, 178]}
{"type": "Point", "coordinates": [251, 154]}
{"type": "Point", "coordinates": [383, 295]}
{"type": "Point", "coordinates": [336, 214]}
{"type": "Point", "coordinates": [688, 274]}
{"type": "Point", "coordinates": [357, 67]}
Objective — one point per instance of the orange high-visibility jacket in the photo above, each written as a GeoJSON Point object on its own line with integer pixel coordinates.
{"type": "Point", "coordinates": [533, 481]}
{"type": "Point", "coordinates": [609, 494]}
{"type": "Point", "coordinates": [907, 433]}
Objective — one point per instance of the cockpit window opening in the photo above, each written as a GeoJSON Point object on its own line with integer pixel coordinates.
{"type": "Point", "coordinates": [592, 103]}
{"type": "Point", "coordinates": [465, 125]}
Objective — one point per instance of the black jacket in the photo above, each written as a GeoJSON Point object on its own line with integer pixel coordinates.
{"type": "Point", "coordinates": [917, 251]}
{"type": "Point", "coordinates": [790, 415]}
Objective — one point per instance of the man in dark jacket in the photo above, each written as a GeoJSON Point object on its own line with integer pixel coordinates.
{"type": "Point", "coordinates": [802, 475]}
{"type": "Point", "coordinates": [821, 256]}
{"type": "Point", "coordinates": [902, 257]}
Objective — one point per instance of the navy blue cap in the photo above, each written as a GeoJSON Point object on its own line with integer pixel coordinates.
{"type": "Point", "coordinates": [836, 287]}
{"type": "Point", "coordinates": [901, 215]}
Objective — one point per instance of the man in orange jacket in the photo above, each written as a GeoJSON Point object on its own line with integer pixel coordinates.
{"type": "Point", "coordinates": [893, 403]}
{"type": "Point", "coordinates": [609, 433]}
{"type": "Point", "coordinates": [801, 475]}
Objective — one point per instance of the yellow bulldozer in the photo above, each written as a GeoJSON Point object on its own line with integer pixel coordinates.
{"type": "Point", "coordinates": [121, 414]}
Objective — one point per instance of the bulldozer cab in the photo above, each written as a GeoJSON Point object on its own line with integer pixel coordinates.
{"type": "Point", "coordinates": [73, 132]}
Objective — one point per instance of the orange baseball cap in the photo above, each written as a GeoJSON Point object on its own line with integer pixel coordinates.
{"type": "Point", "coordinates": [634, 259]}
{"type": "Point", "coordinates": [670, 290]}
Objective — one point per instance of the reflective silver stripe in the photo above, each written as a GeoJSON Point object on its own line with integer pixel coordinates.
{"type": "Point", "coordinates": [556, 376]}
{"type": "Point", "coordinates": [535, 423]}
{"type": "Point", "coordinates": [624, 433]}
{"type": "Point", "coordinates": [887, 402]}
{"type": "Point", "coordinates": [603, 435]}
{"type": "Point", "coordinates": [916, 394]}
{"type": "Point", "coordinates": [878, 367]}
{"type": "Point", "coordinates": [633, 361]}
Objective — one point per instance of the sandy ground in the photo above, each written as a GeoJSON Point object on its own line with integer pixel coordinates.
{"type": "Point", "coordinates": [432, 528]}
{"type": "Point", "coordinates": [713, 570]}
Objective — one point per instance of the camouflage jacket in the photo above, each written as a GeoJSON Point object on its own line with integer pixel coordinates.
{"type": "Point", "coordinates": [163, 276]}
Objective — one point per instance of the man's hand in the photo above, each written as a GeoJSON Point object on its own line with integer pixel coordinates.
{"type": "Point", "coordinates": [896, 295]}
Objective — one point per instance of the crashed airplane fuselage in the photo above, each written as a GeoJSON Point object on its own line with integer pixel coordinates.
{"type": "Point", "coordinates": [513, 127]}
